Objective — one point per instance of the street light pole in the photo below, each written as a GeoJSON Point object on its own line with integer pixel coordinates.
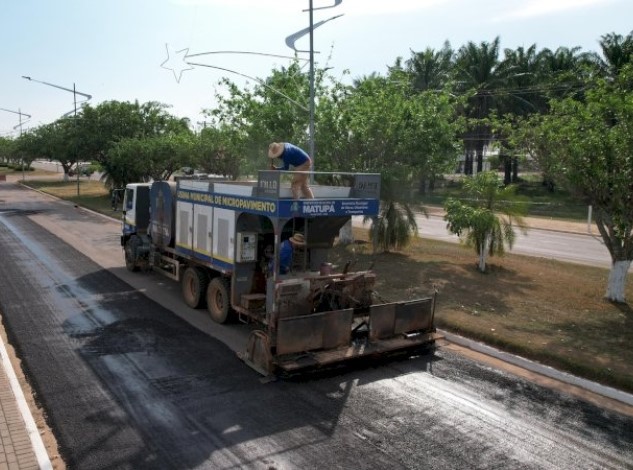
{"type": "Point", "coordinates": [311, 126]}
{"type": "Point", "coordinates": [290, 42]}
{"type": "Point", "coordinates": [75, 93]}
{"type": "Point", "coordinates": [20, 124]}
{"type": "Point", "coordinates": [75, 124]}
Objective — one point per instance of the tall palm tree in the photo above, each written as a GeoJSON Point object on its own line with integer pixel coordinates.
{"type": "Point", "coordinates": [523, 95]}
{"type": "Point", "coordinates": [431, 69]}
{"type": "Point", "coordinates": [563, 70]}
{"type": "Point", "coordinates": [476, 73]}
{"type": "Point", "coordinates": [617, 51]}
{"type": "Point", "coordinates": [521, 69]}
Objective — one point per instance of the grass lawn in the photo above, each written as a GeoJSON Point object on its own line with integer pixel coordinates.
{"type": "Point", "coordinates": [92, 194]}
{"type": "Point", "coordinates": [545, 310]}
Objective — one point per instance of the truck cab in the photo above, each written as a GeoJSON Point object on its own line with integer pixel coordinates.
{"type": "Point", "coordinates": [136, 209]}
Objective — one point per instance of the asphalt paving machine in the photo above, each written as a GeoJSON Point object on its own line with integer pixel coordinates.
{"type": "Point", "coordinates": [222, 240]}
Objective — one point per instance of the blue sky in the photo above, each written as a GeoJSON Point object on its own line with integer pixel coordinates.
{"type": "Point", "coordinates": [113, 50]}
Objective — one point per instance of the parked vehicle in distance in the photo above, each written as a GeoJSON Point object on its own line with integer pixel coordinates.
{"type": "Point", "coordinates": [84, 170]}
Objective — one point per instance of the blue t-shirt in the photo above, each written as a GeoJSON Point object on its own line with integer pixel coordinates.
{"type": "Point", "coordinates": [285, 257]}
{"type": "Point", "coordinates": [293, 155]}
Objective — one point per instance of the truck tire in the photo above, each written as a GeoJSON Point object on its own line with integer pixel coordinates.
{"type": "Point", "coordinates": [130, 253]}
{"type": "Point", "coordinates": [218, 299]}
{"type": "Point", "coordinates": [194, 286]}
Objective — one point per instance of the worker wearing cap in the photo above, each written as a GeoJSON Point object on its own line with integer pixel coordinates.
{"type": "Point", "coordinates": [286, 251]}
{"type": "Point", "coordinates": [291, 155]}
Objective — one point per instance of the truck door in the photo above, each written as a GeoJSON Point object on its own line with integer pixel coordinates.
{"type": "Point", "coordinates": [136, 209]}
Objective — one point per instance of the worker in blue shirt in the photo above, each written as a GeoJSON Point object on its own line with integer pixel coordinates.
{"type": "Point", "coordinates": [286, 251]}
{"type": "Point", "coordinates": [291, 155]}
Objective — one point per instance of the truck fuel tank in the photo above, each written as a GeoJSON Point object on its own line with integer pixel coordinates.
{"type": "Point", "coordinates": [163, 213]}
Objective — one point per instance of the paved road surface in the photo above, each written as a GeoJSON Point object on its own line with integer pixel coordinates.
{"type": "Point", "coordinates": [573, 244]}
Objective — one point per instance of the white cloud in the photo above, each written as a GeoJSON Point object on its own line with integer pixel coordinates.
{"type": "Point", "coordinates": [535, 8]}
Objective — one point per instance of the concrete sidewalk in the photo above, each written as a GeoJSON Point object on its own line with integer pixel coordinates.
{"type": "Point", "coordinates": [541, 223]}
{"type": "Point", "coordinates": [21, 446]}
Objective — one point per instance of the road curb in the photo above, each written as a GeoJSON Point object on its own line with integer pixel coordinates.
{"type": "Point", "coordinates": [546, 229]}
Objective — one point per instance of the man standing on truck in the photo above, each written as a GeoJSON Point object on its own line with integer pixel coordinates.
{"type": "Point", "coordinates": [292, 155]}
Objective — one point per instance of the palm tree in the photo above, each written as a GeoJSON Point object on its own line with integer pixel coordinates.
{"type": "Point", "coordinates": [395, 225]}
{"type": "Point", "coordinates": [563, 70]}
{"type": "Point", "coordinates": [522, 96]}
{"type": "Point", "coordinates": [617, 51]}
{"type": "Point", "coordinates": [476, 73]}
{"type": "Point", "coordinates": [431, 69]}
{"type": "Point", "coordinates": [522, 70]}
{"type": "Point", "coordinates": [485, 217]}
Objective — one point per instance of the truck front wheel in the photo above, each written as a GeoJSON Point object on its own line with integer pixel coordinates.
{"type": "Point", "coordinates": [218, 301]}
{"type": "Point", "coordinates": [130, 253]}
{"type": "Point", "coordinates": [194, 286]}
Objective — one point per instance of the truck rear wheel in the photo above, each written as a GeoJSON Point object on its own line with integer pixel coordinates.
{"type": "Point", "coordinates": [194, 286]}
{"type": "Point", "coordinates": [218, 299]}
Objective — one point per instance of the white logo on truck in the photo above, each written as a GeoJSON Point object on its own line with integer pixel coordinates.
{"type": "Point", "coordinates": [320, 208]}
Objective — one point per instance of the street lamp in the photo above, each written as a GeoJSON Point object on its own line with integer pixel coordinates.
{"type": "Point", "coordinates": [20, 114]}
{"type": "Point", "coordinates": [290, 42]}
{"type": "Point", "coordinates": [75, 93]}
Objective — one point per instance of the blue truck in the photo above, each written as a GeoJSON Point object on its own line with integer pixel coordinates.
{"type": "Point", "coordinates": [222, 240]}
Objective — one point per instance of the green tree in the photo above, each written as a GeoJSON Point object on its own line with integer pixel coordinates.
{"type": "Point", "coordinates": [109, 122]}
{"type": "Point", "coordinates": [25, 149]}
{"type": "Point", "coordinates": [588, 144]}
{"type": "Point", "coordinates": [102, 127]}
{"type": "Point", "coordinates": [7, 149]}
{"type": "Point", "coordinates": [56, 141]}
{"type": "Point", "coordinates": [407, 137]}
{"type": "Point", "coordinates": [150, 158]}
{"type": "Point", "coordinates": [274, 109]}
{"type": "Point", "coordinates": [220, 151]}
{"type": "Point", "coordinates": [334, 144]}
{"type": "Point", "coordinates": [485, 217]}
